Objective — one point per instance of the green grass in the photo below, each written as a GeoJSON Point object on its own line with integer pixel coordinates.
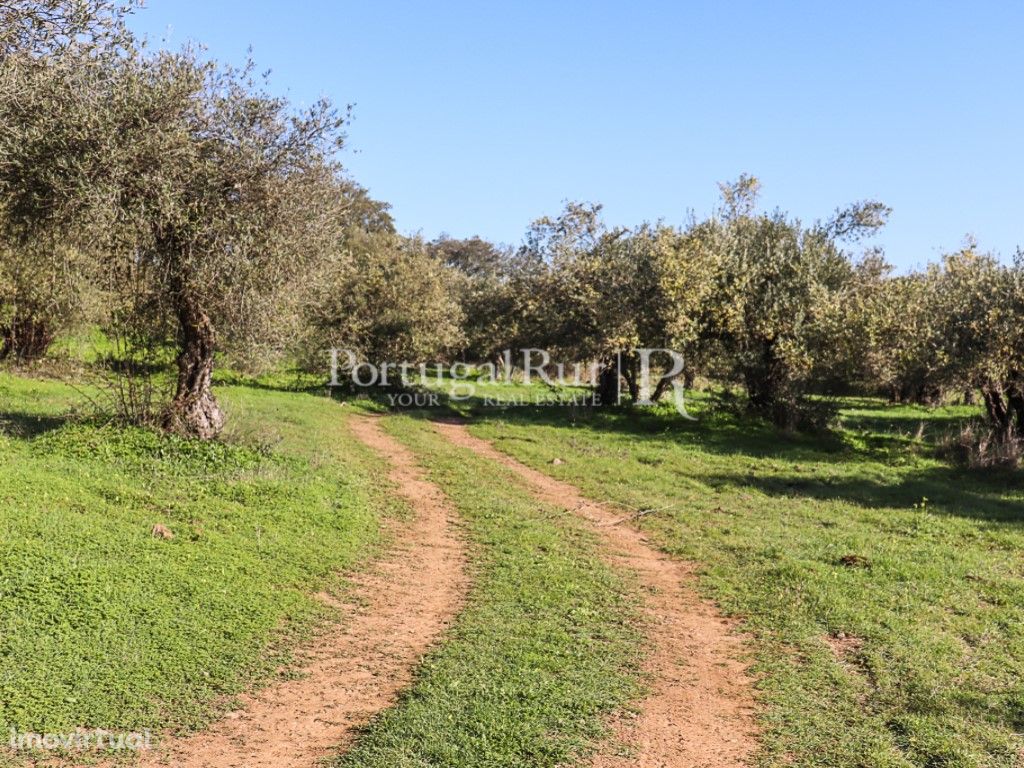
{"type": "Point", "coordinates": [544, 650]}
{"type": "Point", "coordinates": [863, 534]}
{"type": "Point", "coordinates": [861, 540]}
{"type": "Point", "coordinates": [103, 625]}
{"type": "Point", "coordinates": [86, 345]}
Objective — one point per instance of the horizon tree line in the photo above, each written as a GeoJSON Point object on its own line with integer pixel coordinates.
{"type": "Point", "coordinates": [182, 207]}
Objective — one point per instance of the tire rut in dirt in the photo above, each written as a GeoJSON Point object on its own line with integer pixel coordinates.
{"type": "Point", "coordinates": [699, 712]}
{"type": "Point", "coordinates": [398, 609]}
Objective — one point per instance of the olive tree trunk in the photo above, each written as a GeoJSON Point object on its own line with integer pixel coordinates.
{"type": "Point", "coordinates": [630, 365]}
{"type": "Point", "coordinates": [194, 410]}
{"type": "Point", "coordinates": [666, 382]}
{"type": "Point", "coordinates": [772, 390]}
{"type": "Point", "coordinates": [1004, 403]}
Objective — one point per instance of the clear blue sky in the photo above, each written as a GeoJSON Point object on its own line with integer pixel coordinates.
{"type": "Point", "coordinates": [477, 117]}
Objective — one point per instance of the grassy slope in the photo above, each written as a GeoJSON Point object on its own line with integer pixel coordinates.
{"type": "Point", "coordinates": [933, 601]}
{"type": "Point", "coordinates": [543, 650]}
{"type": "Point", "coordinates": [103, 625]}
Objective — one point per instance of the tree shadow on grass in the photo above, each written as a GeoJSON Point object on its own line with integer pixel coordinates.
{"type": "Point", "coordinates": [873, 438]}
{"type": "Point", "coordinates": [719, 432]}
{"type": "Point", "coordinates": [903, 422]}
{"type": "Point", "coordinates": [991, 495]}
{"type": "Point", "coordinates": [26, 426]}
{"type": "Point", "coordinates": [293, 382]}
{"type": "Point", "coordinates": [929, 428]}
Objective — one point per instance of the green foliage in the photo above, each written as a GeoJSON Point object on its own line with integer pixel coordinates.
{"type": "Point", "coordinates": [45, 291]}
{"type": "Point", "coordinates": [201, 198]}
{"type": "Point", "coordinates": [954, 327]}
{"type": "Point", "coordinates": [61, 26]}
{"type": "Point", "coordinates": [588, 293]}
{"type": "Point", "coordinates": [778, 284]}
{"type": "Point", "coordinates": [386, 299]}
{"type": "Point", "coordinates": [485, 279]}
{"type": "Point", "coordinates": [577, 300]}
{"type": "Point", "coordinates": [748, 298]}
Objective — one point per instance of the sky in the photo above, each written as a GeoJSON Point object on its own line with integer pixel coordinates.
{"type": "Point", "coordinates": [475, 118]}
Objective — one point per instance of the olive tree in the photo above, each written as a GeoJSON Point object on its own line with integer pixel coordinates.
{"type": "Point", "coordinates": [961, 328]}
{"type": "Point", "coordinates": [847, 359]}
{"type": "Point", "coordinates": [777, 283]}
{"type": "Point", "coordinates": [908, 325]}
{"type": "Point", "coordinates": [52, 53]}
{"type": "Point", "coordinates": [387, 299]}
{"type": "Point", "coordinates": [484, 278]}
{"type": "Point", "coordinates": [232, 200]}
{"type": "Point", "coordinates": [573, 292]}
{"type": "Point", "coordinates": [44, 290]}
{"type": "Point", "coordinates": [49, 27]}
{"type": "Point", "coordinates": [1001, 372]}
{"type": "Point", "coordinates": [593, 293]}
{"type": "Point", "coordinates": [924, 334]}
{"type": "Point", "coordinates": [674, 281]}
{"type": "Point", "coordinates": [204, 199]}
{"type": "Point", "coordinates": [982, 314]}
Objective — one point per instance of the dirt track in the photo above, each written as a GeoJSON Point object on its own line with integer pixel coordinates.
{"type": "Point", "coordinates": [700, 710]}
{"type": "Point", "coordinates": [398, 610]}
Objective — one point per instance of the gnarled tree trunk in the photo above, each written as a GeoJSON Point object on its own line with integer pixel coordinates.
{"type": "Point", "coordinates": [194, 410]}
{"type": "Point", "coordinates": [665, 383]}
{"type": "Point", "coordinates": [1004, 403]}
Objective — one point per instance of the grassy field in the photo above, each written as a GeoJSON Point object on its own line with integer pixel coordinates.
{"type": "Point", "coordinates": [104, 625]}
{"type": "Point", "coordinates": [884, 589]}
